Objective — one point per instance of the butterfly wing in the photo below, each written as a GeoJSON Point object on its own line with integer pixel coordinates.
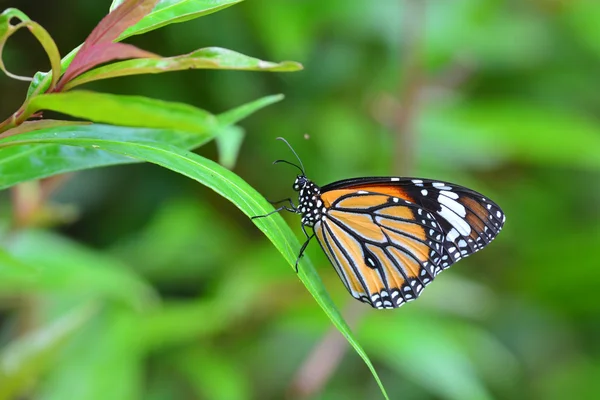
{"type": "Point", "coordinates": [380, 247]}
{"type": "Point", "coordinates": [470, 221]}
{"type": "Point", "coordinates": [389, 237]}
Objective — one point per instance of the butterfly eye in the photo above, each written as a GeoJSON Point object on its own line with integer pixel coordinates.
{"type": "Point", "coordinates": [300, 182]}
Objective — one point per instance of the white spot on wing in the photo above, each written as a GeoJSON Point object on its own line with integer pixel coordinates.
{"type": "Point", "coordinates": [395, 179]}
{"type": "Point", "coordinates": [453, 205]}
{"type": "Point", "coordinates": [457, 222]}
{"type": "Point", "coordinates": [424, 192]}
{"type": "Point", "coordinates": [452, 235]}
{"type": "Point", "coordinates": [440, 185]}
{"type": "Point", "coordinates": [447, 193]}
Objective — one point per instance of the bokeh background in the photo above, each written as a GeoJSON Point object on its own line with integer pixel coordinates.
{"type": "Point", "coordinates": [195, 303]}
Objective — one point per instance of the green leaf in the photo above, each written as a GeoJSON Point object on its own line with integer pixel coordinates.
{"type": "Point", "coordinates": [237, 114]}
{"type": "Point", "coordinates": [23, 360]}
{"type": "Point", "coordinates": [422, 350]}
{"type": "Point", "coordinates": [581, 18]}
{"type": "Point", "coordinates": [229, 142]}
{"type": "Point", "coordinates": [63, 266]}
{"type": "Point", "coordinates": [213, 375]}
{"type": "Point", "coordinates": [102, 362]}
{"type": "Point", "coordinates": [99, 46]}
{"type": "Point", "coordinates": [509, 130]}
{"type": "Point", "coordinates": [125, 110]}
{"type": "Point", "coordinates": [165, 13]}
{"type": "Point", "coordinates": [14, 273]}
{"type": "Point", "coordinates": [29, 126]}
{"type": "Point", "coordinates": [23, 163]}
{"type": "Point", "coordinates": [223, 182]}
{"type": "Point", "coordinates": [174, 11]}
{"type": "Point", "coordinates": [175, 323]}
{"type": "Point", "coordinates": [207, 58]}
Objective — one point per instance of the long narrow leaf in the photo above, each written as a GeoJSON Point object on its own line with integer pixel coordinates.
{"type": "Point", "coordinates": [125, 110]}
{"type": "Point", "coordinates": [208, 58]}
{"type": "Point", "coordinates": [174, 11]}
{"type": "Point", "coordinates": [222, 181]}
{"type": "Point", "coordinates": [23, 163]}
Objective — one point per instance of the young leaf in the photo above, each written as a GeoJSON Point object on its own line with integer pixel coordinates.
{"type": "Point", "coordinates": [207, 58]}
{"type": "Point", "coordinates": [165, 13]}
{"type": "Point", "coordinates": [174, 11]}
{"type": "Point", "coordinates": [127, 14]}
{"type": "Point", "coordinates": [99, 47]}
{"type": "Point", "coordinates": [99, 54]}
{"type": "Point", "coordinates": [225, 183]}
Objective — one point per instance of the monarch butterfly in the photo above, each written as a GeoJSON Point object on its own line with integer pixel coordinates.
{"type": "Point", "coordinates": [389, 237]}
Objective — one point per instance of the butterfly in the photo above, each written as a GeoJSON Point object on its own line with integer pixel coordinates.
{"type": "Point", "coordinates": [389, 237]}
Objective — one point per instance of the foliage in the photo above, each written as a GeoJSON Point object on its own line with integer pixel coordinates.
{"type": "Point", "coordinates": [132, 281]}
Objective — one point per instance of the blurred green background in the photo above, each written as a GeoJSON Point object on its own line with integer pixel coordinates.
{"type": "Point", "coordinates": [190, 301]}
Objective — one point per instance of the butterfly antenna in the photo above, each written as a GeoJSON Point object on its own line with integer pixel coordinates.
{"type": "Point", "coordinates": [301, 167]}
{"type": "Point", "coordinates": [289, 163]}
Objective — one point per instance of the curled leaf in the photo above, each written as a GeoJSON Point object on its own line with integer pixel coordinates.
{"type": "Point", "coordinates": [7, 29]}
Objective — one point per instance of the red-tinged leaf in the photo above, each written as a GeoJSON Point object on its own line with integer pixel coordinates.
{"type": "Point", "coordinates": [99, 54]}
{"type": "Point", "coordinates": [127, 14]}
{"type": "Point", "coordinates": [99, 42]}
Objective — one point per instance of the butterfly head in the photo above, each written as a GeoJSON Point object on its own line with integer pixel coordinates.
{"type": "Point", "coordinates": [310, 204]}
{"type": "Point", "coordinates": [300, 182]}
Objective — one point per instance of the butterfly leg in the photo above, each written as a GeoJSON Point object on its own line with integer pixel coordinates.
{"type": "Point", "coordinates": [289, 200]}
{"type": "Point", "coordinates": [304, 246]}
{"type": "Point", "coordinates": [275, 211]}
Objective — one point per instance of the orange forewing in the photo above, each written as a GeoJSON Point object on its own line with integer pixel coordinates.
{"type": "Point", "coordinates": [331, 196]}
{"type": "Point", "coordinates": [362, 224]}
